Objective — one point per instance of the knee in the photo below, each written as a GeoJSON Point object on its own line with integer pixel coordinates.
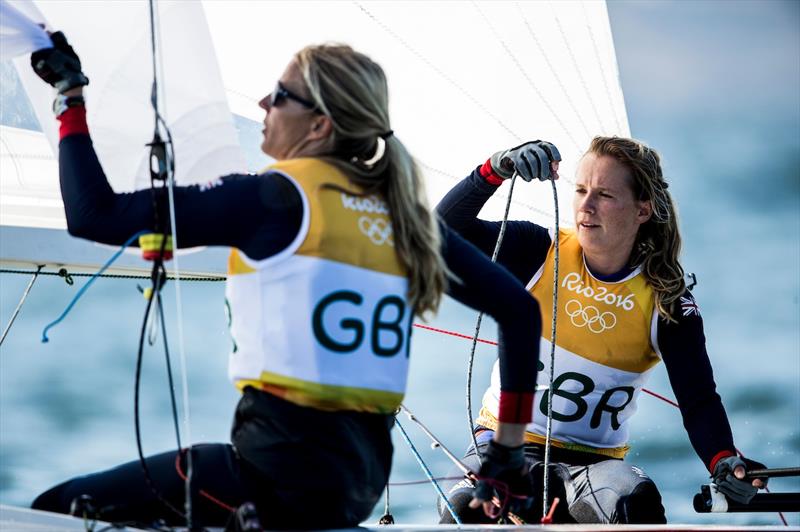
{"type": "Point", "coordinates": [459, 497]}
{"type": "Point", "coordinates": [642, 505]}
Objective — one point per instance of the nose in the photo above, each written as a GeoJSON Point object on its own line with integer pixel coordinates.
{"type": "Point", "coordinates": [265, 102]}
{"type": "Point", "coordinates": [587, 204]}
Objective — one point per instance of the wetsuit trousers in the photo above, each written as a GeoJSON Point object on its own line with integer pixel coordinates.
{"type": "Point", "coordinates": [302, 468]}
{"type": "Point", "coordinates": [591, 488]}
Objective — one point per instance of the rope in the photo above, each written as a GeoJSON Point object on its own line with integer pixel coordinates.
{"type": "Point", "coordinates": [471, 362]}
{"type": "Point", "coordinates": [428, 473]}
{"type": "Point", "coordinates": [19, 305]}
{"type": "Point", "coordinates": [85, 287]}
{"type": "Point", "coordinates": [64, 273]}
{"type": "Point", "coordinates": [548, 442]}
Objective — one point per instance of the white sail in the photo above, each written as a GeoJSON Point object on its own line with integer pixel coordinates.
{"type": "Point", "coordinates": [466, 79]}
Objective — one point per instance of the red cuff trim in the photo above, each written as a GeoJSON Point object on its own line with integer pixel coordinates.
{"type": "Point", "coordinates": [717, 457]}
{"type": "Point", "coordinates": [487, 173]}
{"type": "Point", "coordinates": [73, 122]}
{"type": "Point", "coordinates": [515, 407]}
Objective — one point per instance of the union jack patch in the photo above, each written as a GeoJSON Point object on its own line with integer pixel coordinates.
{"type": "Point", "coordinates": [689, 306]}
{"type": "Point", "coordinates": [211, 184]}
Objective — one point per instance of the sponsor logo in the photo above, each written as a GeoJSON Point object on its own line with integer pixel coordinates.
{"type": "Point", "coordinates": [589, 317]}
{"type": "Point", "coordinates": [378, 230]}
{"type": "Point", "coordinates": [370, 204]}
{"type": "Point", "coordinates": [689, 306]}
{"type": "Point", "coordinates": [572, 282]}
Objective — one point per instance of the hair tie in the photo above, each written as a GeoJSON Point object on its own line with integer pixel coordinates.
{"type": "Point", "coordinates": [380, 150]}
{"type": "Point", "coordinates": [386, 135]}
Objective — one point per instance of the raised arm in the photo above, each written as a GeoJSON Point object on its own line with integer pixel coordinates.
{"type": "Point", "coordinates": [525, 244]}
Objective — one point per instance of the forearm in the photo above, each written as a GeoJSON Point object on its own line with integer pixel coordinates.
{"type": "Point", "coordinates": [491, 289]}
{"type": "Point", "coordinates": [683, 350]}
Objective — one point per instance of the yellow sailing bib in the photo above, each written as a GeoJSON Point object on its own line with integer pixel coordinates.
{"type": "Point", "coordinates": [325, 323]}
{"type": "Point", "coordinates": [603, 355]}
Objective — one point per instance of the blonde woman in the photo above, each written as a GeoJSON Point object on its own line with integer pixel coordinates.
{"type": "Point", "coordinates": [334, 252]}
{"type": "Point", "coordinates": [623, 306]}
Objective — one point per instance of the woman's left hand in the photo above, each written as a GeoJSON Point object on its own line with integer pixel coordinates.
{"type": "Point", "coordinates": [730, 476]}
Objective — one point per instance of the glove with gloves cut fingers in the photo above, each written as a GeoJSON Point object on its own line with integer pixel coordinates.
{"type": "Point", "coordinates": [59, 66]}
{"type": "Point", "coordinates": [737, 487]}
{"type": "Point", "coordinates": [504, 474]}
{"type": "Point", "coordinates": [536, 159]}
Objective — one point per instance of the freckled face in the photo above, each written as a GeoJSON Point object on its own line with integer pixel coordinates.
{"type": "Point", "coordinates": [287, 125]}
{"type": "Point", "coordinates": [607, 215]}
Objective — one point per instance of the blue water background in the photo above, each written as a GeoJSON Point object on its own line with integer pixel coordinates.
{"type": "Point", "coordinates": [732, 152]}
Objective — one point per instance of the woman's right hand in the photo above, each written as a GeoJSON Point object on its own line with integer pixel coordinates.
{"type": "Point", "coordinates": [59, 66]}
{"type": "Point", "coordinates": [536, 159]}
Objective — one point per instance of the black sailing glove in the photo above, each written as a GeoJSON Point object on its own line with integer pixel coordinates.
{"type": "Point", "coordinates": [59, 66]}
{"type": "Point", "coordinates": [737, 490]}
{"type": "Point", "coordinates": [504, 474]}
{"type": "Point", "coordinates": [531, 160]}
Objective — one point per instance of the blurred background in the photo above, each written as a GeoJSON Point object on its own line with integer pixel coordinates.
{"type": "Point", "coordinates": [714, 86]}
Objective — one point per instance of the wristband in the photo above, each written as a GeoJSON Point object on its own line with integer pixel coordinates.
{"type": "Point", "coordinates": [62, 103]}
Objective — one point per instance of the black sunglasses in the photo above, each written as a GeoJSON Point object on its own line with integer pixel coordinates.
{"type": "Point", "coordinates": [280, 94]}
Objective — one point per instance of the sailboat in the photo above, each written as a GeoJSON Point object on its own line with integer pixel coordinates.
{"type": "Point", "coordinates": [502, 73]}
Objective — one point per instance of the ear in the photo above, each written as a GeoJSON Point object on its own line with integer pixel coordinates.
{"type": "Point", "coordinates": [645, 211]}
{"type": "Point", "coordinates": [320, 128]}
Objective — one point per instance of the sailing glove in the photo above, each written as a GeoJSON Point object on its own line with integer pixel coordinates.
{"type": "Point", "coordinates": [504, 474]}
{"type": "Point", "coordinates": [531, 160]}
{"type": "Point", "coordinates": [737, 490]}
{"type": "Point", "coordinates": [59, 66]}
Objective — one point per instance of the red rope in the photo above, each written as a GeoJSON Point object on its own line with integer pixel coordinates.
{"type": "Point", "coordinates": [451, 333]}
{"type": "Point", "coordinates": [202, 492]}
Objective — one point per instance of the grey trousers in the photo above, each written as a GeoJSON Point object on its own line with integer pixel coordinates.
{"type": "Point", "coordinates": [591, 489]}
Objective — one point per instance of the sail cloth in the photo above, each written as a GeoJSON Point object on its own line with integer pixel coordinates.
{"type": "Point", "coordinates": [19, 33]}
{"type": "Point", "coordinates": [465, 78]}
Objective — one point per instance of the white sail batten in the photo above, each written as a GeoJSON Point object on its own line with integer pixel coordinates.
{"type": "Point", "coordinates": [466, 79]}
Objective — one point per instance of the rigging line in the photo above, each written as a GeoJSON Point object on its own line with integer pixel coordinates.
{"type": "Point", "coordinates": [85, 287]}
{"type": "Point", "coordinates": [603, 71]}
{"type": "Point", "coordinates": [428, 473]}
{"type": "Point", "coordinates": [436, 443]}
{"type": "Point", "coordinates": [548, 437]}
{"type": "Point", "coordinates": [170, 184]}
{"type": "Point", "coordinates": [470, 365]}
{"type": "Point", "coordinates": [63, 273]}
{"type": "Point", "coordinates": [21, 302]}
{"type": "Point", "coordinates": [578, 70]}
{"type": "Point", "coordinates": [558, 79]}
{"type": "Point", "coordinates": [136, 418]}
{"type": "Point", "coordinates": [169, 369]}
{"type": "Point", "coordinates": [436, 69]}
{"type": "Point", "coordinates": [529, 80]}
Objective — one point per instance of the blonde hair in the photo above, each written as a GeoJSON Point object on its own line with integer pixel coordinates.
{"type": "Point", "coordinates": [658, 243]}
{"type": "Point", "coordinates": [351, 90]}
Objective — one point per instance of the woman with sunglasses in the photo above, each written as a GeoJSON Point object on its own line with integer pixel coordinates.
{"type": "Point", "coordinates": [623, 306]}
{"type": "Point", "coordinates": [333, 252]}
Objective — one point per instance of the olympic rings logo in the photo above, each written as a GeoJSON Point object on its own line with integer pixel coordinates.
{"type": "Point", "coordinates": [589, 317]}
{"type": "Point", "coordinates": [378, 230]}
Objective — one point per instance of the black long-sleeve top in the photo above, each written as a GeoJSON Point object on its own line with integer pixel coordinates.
{"type": "Point", "coordinates": [681, 343]}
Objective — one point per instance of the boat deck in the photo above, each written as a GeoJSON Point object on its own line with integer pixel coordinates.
{"type": "Point", "coordinates": [26, 520]}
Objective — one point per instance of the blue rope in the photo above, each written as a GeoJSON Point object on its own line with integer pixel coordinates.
{"type": "Point", "coordinates": [85, 287]}
{"type": "Point", "coordinates": [429, 474]}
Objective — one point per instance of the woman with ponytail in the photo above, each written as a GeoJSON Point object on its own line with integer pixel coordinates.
{"type": "Point", "coordinates": [622, 306]}
{"type": "Point", "coordinates": [334, 251]}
